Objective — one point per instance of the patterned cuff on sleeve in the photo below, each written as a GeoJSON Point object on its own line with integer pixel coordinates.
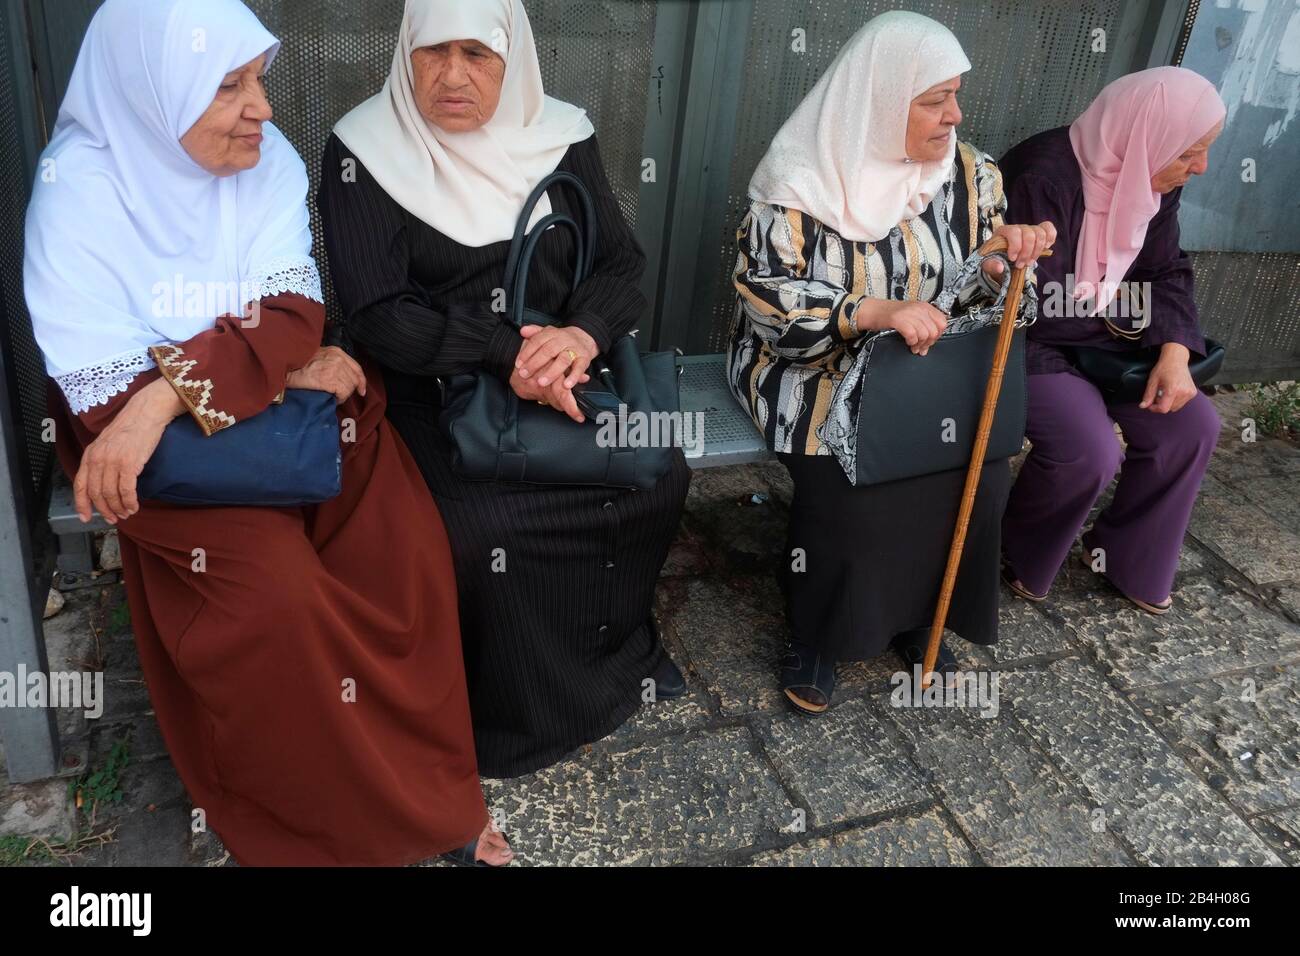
{"type": "Point", "coordinates": [196, 393]}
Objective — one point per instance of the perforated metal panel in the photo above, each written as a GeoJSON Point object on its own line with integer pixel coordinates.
{"type": "Point", "coordinates": [1251, 303]}
{"type": "Point", "coordinates": [22, 357]}
{"type": "Point", "coordinates": [1033, 68]}
{"type": "Point", "coordinates": [336, 53]}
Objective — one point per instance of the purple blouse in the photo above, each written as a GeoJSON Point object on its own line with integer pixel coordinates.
{"type": "Point", "coordinates": [1044, 183]}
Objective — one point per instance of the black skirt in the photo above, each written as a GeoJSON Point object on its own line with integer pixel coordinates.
{"type": "Point", "coordinates": [556, 587]}
{"type": "Point", "coordinates": [873, 558]}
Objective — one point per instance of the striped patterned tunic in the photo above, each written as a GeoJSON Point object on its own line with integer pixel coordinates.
{"type": "Point", "coordinates": [799, 285]}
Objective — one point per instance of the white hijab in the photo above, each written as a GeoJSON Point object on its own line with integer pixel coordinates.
{"type": "Point", "coordinates": [470, 186]}
{"type": "Point", "coordinates": [841, 157]}
{"type": "Point", "coordinates": [121, 215]}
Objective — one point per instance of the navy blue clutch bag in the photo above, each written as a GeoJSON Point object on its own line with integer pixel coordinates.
{"type": "Point", "coordinates": [288, 455]}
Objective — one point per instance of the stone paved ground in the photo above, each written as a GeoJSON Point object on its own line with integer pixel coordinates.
{"type": "Point", "coordinates": [1120, 738]}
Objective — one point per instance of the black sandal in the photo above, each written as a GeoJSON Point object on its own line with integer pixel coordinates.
{"type": "Point", "coordinates": [912, 645]}
{"type": "Point", "coordinates": [807, 679]}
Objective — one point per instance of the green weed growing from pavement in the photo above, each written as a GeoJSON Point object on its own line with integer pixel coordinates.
{"type": "Point", "coordinates": [1276, 409]}
{"type": "Point", "coordinates": [120, 619]}
{"type": "Point", "coordinates": [103, 786]}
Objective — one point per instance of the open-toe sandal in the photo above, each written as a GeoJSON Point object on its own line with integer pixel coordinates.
{"type": "Point", "coordinates": [807, 679]}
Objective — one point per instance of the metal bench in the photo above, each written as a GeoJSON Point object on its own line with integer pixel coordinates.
{"type": "Point", "coordinates": [76, 557]}
{"type": "Point", "coordinates": [730, 437]}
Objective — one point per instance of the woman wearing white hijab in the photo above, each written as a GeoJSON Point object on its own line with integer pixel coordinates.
{"type": "Point", "coordinates": [169, 272]}
{"type": "Point", "coordinates": [421, 189]}
{"type": "Point", "coordinates": [864, 207]}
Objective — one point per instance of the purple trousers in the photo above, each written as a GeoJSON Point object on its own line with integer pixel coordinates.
{"type": "Point", "coordinates": [1075, 455]}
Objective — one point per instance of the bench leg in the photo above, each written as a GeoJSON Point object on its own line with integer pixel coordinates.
{"type": "Point", "coordinates": [76, 560]}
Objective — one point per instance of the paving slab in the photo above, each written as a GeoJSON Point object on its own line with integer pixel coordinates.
{"type": "Point", "coordinates": [1242, 732]}
{"type": "Point", "coordinates": [924, 839]}
{"type": "Point", "coordinates": [1162, 811]}
{"type": "Point", "coordinates": [706, 794]}
{"type": "Point", "coordinates": [1251, 539]}
{"type": "Point", "coordinates": [1012, 803]}
{"type": "Point", "coordinates": [843, 765]}
{"type": "Point", "coordinates": [1214, 628]}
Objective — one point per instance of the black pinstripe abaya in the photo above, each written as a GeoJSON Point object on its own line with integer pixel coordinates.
{"type": "Point", "coordinates": [555, 584]}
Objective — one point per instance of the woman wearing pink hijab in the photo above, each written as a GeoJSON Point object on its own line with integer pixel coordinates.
{"type": "Point", "coordinates": [1111, 184]}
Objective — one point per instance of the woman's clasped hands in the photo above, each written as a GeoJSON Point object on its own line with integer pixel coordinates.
{"type": "Point", "coordinates": [551, 362]}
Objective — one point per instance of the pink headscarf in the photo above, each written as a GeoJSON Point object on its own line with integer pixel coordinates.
{"type": "Point", "coordinates": [1136, 126]}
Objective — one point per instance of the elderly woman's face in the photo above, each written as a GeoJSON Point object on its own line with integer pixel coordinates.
{"type": "Point", "coordinates": [931, 120]}
{"type": "Point", "coordinates": [457, 84]}
{"type": "Point", "coordinates": [1194, 162]}
{"type": "Point", "coordinates": [227, 138]}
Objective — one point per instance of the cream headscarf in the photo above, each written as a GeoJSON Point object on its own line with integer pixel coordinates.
{"type": "Point", "coordinates": [470, 186]}
{"type": "Point", "coordinates": [841, 157]}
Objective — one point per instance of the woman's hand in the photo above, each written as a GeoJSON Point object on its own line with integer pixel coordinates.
{"type": "Point", "coordinates": [1025, 244]}
{"type": "Point", "coordinates": [558, 395]}
{"type": "Point", "coordinates": [330, 370]}
{"type": "Point", "coordinates": [555, 352]}
{"type": "Point", "coordinates": [1170, 385]}
{"type": "Point", "coordinates": [919, 323]}
{"type": "Point", "coordinates": [112, 463]}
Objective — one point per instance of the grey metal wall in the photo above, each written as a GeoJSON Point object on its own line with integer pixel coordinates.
{"type": "Point", "coordinates": [20, 140]}
{"type": "Point", "coordinates": [29, 735]}
{"type": "Point", "coordinates": [1248, 234]}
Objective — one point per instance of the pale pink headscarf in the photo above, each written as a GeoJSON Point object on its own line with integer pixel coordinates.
{"type": "Point", "coordinates": [1136, 126]}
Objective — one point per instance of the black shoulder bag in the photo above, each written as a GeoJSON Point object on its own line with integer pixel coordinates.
{"type": "Point", "coordinates": [898, 415]}
{"type": "Point", "coordinates": [1121, 375]}
{"type": "Point", "coordinates": [497, 437]}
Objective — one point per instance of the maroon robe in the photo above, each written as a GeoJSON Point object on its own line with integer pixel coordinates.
{"type": "Point", "coordinates": [249, 659]}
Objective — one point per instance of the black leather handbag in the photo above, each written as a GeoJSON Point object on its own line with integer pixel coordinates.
{"type": "Point", "coordinates": [497, 437]}
{"type": "Point", "coordinates": [917, 415]}
{"type": "Point", "coordinates": [1121, 375]}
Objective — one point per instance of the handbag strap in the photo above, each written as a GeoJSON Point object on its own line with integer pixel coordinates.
{"type": "Point", "coordinates": [968, 272]}
{"type": "Point", "coordinates": [587, 248]}
{"type": "Point", "coordinates": [520, 294]}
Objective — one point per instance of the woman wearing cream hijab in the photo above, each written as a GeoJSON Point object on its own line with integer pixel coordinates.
{"type": "Point", "coordinates": [422, 186]}
{"type": "Point", "coordinates": [863, 209]}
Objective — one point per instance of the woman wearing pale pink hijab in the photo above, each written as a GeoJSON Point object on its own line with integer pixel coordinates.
{"type": "Point", "coordinates": [1111, 184]}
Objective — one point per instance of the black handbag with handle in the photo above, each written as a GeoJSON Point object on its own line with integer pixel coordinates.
{"type": "Point", "coordinates": [917, 415]}
{"type": "Point", "coordinates": [495, 436]}
{"type": "Point", "coordinates": [1121, 375]}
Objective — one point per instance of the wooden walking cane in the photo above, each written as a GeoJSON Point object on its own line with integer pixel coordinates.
{"type": "Point", "coordinates": [1005, 331]}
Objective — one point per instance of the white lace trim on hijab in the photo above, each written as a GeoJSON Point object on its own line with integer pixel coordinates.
{"type": "Point", "coordinates": [96, 385]}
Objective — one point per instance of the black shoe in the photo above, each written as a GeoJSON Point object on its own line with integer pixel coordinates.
{"type": "Point", "coordinates": [668, 678]}
{"type": "Point", "coordinates": [911, 647]}
{"type": "Point", "coordinates": [669, 682]}
{"type": "Point", "coordinates": [807, 679]}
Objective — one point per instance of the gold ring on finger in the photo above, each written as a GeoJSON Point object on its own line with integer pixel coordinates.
{"type": "Point", "coordinates": [573, 356]}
